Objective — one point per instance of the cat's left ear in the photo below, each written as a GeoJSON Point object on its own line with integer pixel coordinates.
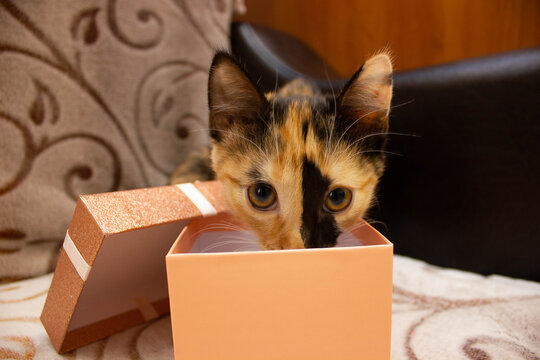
{"type": "Point", "coordinates": [364, 102]}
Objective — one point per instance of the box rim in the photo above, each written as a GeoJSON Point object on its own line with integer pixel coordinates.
{"type": "Point", "coordinates": [171, 254]}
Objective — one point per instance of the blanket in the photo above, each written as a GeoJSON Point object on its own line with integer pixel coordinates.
{"type": "Point", "coordinates": [437, 314]}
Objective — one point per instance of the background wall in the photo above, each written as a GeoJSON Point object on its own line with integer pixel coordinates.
{"type": "Point", "coordinates": [419, 32]}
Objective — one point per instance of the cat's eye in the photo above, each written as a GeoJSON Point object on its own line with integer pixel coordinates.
{"type": "Point", "coordinates": [262, 196]}
{"type": "Point", "coordinates": [337, 199]}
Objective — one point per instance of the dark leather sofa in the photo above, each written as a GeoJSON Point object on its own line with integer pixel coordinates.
{"type": "Point", "coordinates": [465, 190]}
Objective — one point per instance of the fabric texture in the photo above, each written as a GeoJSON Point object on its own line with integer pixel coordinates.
{"type": "Point", "coordinates": [95, 96]}
{"type": "Point", "coordinates": [437, 314]}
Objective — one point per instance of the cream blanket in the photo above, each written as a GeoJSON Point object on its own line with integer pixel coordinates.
{"type": "Point", "coordinates": [437, 314]}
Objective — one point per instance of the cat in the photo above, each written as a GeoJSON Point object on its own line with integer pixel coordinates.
{"type": "Point", "coordinates": [297, 166]}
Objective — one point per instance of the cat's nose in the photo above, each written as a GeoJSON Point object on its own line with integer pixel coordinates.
{"type": "Point", "coordinates": [320, 237]}
{"type": "Point", "coordinates": [312, 240]}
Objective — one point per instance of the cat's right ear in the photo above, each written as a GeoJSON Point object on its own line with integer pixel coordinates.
{"type": "Point", "coordinates": [233, 99]}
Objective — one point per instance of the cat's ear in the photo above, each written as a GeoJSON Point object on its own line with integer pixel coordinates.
{"type": "Point", "coordinates": [364, 102]}
{"type": "Point", "coordinates": [234, 100]}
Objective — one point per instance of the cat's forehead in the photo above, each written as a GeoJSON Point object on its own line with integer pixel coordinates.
{"type": "Point", "coordinates": [297, 96]}
{"type": "Point", "coordinates": [301, 120]}
{"type": "Point", "coordinates": [318, 105]}
{"type": "Point", "coordinates": [293, 117]}
{"type": "Point", "coordinates": [299, 131]}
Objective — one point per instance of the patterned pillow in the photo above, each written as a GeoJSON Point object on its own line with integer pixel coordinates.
{"type": "Point", "coordinates": [95, 96]}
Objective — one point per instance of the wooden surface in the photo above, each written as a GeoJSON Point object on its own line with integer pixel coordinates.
{"type": "Point", "coordinates": [418, 32]}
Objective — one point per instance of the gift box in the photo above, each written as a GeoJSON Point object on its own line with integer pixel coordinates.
{"type": "Point", "coordinates": [228, 299]}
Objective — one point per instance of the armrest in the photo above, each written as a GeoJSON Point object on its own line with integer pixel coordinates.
{"type": "Point", "coordinates": [465, 191]}
{"type": "Point", "coordinates": [277, 57]}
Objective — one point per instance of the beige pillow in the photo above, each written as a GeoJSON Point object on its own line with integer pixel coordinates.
{"type": "Point", "coordinates": [95, 96]}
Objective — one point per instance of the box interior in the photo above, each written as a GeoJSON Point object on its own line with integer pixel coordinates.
{"type": "Point", "coordinates": [128, 273]}
{"type": "Point", "coordinates": [237, 240]}
{"type": "Point", "coordinates": [223, 233]}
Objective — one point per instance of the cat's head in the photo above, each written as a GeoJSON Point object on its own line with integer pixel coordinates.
{"type": "Point", "coordinates": [298, 166]}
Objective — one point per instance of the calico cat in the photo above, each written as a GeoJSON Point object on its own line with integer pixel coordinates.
{"type": "Point", "coordinates": [298, 167]}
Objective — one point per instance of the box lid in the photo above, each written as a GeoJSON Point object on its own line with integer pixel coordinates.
{"type": "Point", "coordinates": [111, 271]}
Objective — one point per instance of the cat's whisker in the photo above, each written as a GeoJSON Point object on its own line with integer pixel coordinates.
{"type": "Point", "coordinates": [367, 220]}
{"type": "Point", "coordinates": [225, 243]}
{"type": "Point", "coordinates": [335, 107]}
{"type": "Point", "coordinates": [276, 143]}
{"type": "Point", "coordinates": [211, 228]}
{"type": "Point", "coordinates": [225, 226]}
{"type": "Point", "coordinates": [221, 225]}
{"type": "Point", "coordinates": [231, 240]}
{"type": "Point", "coordinates": [355, 121]}
{"type": "Point", "coordinates": [227, 239]}
{"type": "Point", "coordinates": [401, 104]}
{"type": "Point", "coordinates": [263, 120]}
{"type": "Point", "coordinates": [225, 131]}
{"type": "Point", "coordinates": [234, 240]}
{"type": "Point", "coordinates": [240, 136]}
{"type": "Point", "coordinates": [356, 226]}
{"type": "Point", "coordinates": [377, 151]}
{"type": "Point", "coordinates": [248, 248]}
{"type": "Point", "coordinates": [348, 128]}
{"type": "Point", "coordinates": [276, 140]}
{"type": "Point", "coordinates": [205, 229]}
{"type": "Point", "coordinates": [369, 113]}
{"type": "Point", "coordinates": [229, 223]}
{"type": "Point", "coordinates": [236, 227]}
{"type": "Point", "coordinates": [371, 135]}
{"type": "Point", "coordinates": [386, 133]}
{"type": "Point", "coordinates": [376, 222]}
{"type": "Point", "coordinates": [354, 155]}
{"type": "Point", "coordinates": [375, 202]}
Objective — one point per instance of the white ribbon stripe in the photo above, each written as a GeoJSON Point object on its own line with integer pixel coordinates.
{"type": "Point", "coordinates": [82, 267]}
{"type": "Point", "coordinates": [198, 199]}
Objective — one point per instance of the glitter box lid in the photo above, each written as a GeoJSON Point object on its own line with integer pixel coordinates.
{"type": "Point", "coordinates": [111, 271]}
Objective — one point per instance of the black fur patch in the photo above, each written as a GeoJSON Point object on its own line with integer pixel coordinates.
{"type": "Point", "coordinates": [305, 128]}
{"type": "Point", "coordinates": [278, 111]}
{"type": "Point", "coordinates": [319, 228]}
{"type": "Point", "coordinates": [254, 174]}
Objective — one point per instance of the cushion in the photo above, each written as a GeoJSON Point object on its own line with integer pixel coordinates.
{"type": "Point", "coordinates": [94, 97]}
